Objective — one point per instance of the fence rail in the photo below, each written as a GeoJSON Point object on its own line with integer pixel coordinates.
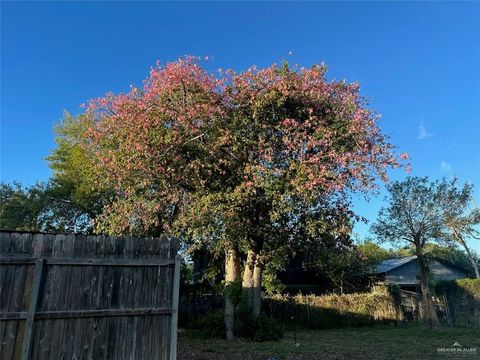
{"type": "Point", "coordinates": [87, 297]}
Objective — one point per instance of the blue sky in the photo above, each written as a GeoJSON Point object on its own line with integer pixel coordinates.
{"type": "Point", "coordinates": [417, 62]}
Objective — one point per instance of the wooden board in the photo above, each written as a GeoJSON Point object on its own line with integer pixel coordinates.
{"type": "Point", "coordinates": [92, 297]}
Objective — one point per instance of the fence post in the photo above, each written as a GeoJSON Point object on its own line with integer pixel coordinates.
{"type": "Point", "coordinates": [32, 307]}
{"type": "Point", "coordinates": [175, 298]}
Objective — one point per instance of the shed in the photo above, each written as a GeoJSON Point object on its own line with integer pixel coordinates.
{"type": "Point", "coordinates": [403, 271]}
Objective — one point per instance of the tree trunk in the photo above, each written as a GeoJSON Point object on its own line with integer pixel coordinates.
{"type": "Point", "coordinates": [257, 286]}
{"type": "Point", "coordinates": [248, 279]}
{"type": "Point", "coordinates": [232, 274]}
{"type": "Point", "coordinates": [475, 267]}
{"type": "Point", "coordinates": [471, 258]}
{"type": "Point", "coordinates": [429, 315]}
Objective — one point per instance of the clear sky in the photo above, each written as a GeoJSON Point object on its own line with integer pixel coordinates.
{"type": "Point", "coordinates": [417, 62]}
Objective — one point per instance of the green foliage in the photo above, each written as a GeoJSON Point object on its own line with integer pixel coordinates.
{"type": "Point", "coordinates": [461, 217]}
{"type": "Point", "coordinates": [186, 277]}
{"type": "Point", "coordinates": [457, 288]}
{"type": "Point", "coordinates": [210, 325]}
{"type": "Point", "coordinates": [372, 252]}
{"type": "Point", "coordinates": [267, 329]}
{"type": "Point", "coordinates": [21, 208]}
{"type": "Point", "coordinates": [423, 212]}
{"type": "Point", "coordinates": [270, 281]}
{"type": "Point", "coordinates": [454, 255]}
{"type": "Point", "coordinates": [41, 207]}
{"type": "Point", "coordinates": [67, 202]}
{"type": "Point", "coordinates": [72, 164]}
{"type": "Point", "coordinates": [264, 328]}
{"type": "Point", "coordinates": [414, 214]}
{"type": "Point", "coordinates": [229, 158]}
{"type": "Point", "coordinates": [470, 286]}
{"type": "Point", "coordinates": [462, 299]}
{"type": "Point", "coordinates": [337, 262]}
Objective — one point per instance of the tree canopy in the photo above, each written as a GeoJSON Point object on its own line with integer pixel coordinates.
{"type": "Point", "coordinates": [415, 216]}
{"type": "Point", "coordinates": [461, 217]}
{"type": "Point", "coordinates": [244, 162]}
{"type": "Point", "coordinates": [260, 134]}
{"type": "Point", "coordinates": [42, 207]}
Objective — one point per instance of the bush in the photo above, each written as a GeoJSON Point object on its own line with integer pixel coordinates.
{"type": "Point", "coordinates": [459, 287]}
{"type": "Point", "coordinates": [462, 300]}
{"type": "Point", "coordinates": [210, 325]}
{"type": "Point", "coordinates": [267, 329]}
{"type": "Point", "coordinates": [264, 328]}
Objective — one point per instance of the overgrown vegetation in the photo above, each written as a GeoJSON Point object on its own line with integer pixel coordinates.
{"type": "Point", "coordinates": [336, 310]}
{"type": "Point", "coordinates": [462, 299]}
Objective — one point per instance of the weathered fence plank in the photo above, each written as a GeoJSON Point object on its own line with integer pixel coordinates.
{"type": "Point", "coordinates": [32, 307]}
{"type": "Point", "coordinates": [174, 318]}
{"type": "Point", "coordinates": [98, 297]}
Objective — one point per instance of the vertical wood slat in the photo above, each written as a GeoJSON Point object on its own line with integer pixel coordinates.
{"type": "Point", "coordinates": [143, 277]}
{"type": "Point", "coordinates": [32, 307]}
{"type": "Point", "coordinates": [174, 316]}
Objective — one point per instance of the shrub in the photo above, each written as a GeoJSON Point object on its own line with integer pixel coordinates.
{"type": "Point", "coordinates": [460, 287]}
{"type": "Point", "coordinates": [210, 325]}
{"type": "Point", "coordinates": [462, 301]}
{"type": "Point", "coordinates": [264, 328]}
{"type": "Point", "coordinates": [267, 329]}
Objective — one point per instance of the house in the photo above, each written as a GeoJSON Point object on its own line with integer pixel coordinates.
{"type": "Point", "coordinates": [403, 271]}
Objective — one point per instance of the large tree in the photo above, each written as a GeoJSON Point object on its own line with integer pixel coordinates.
{"type": "Point", "coordinates": [232, 160]}
{"type": "Point", "coordinates": [415, 216]}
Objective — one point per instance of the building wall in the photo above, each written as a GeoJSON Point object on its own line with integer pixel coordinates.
{"type": "Point", "coordinates": [441, 271]}
{"type": "Point", "coordinates": [406, 274]}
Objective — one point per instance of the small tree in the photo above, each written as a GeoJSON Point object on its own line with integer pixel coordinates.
{"type": "Point", "coordinates": [461, 217]}
{"type": "Point", "coordinates": [415, 216]}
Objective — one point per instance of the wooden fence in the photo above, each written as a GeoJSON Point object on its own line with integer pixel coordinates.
{"type": "Point", "coordinates": [87, 297]}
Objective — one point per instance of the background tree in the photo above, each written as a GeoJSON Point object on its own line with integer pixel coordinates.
{"type": "Point", "coordinates": [415, 216]}
{"type": "Point", "coordinates": [340, 265]}
{"type": "Point", "coordinates": [452, 253]}
{"type": "Point", "coordinates": [41, 207]}
{"type": "Point", "coordinates": [21, 208]}
{"type": "Point", "coordinates": [461, 217]}
{"type": "Point", "coordinates": [373, 253]}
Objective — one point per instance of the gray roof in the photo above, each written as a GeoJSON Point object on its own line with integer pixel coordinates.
{"type": "Point", "coordinates": [387, 265]}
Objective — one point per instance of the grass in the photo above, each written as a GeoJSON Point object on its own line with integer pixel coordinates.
{"type": "Point", "coordinates": [360, 343]}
